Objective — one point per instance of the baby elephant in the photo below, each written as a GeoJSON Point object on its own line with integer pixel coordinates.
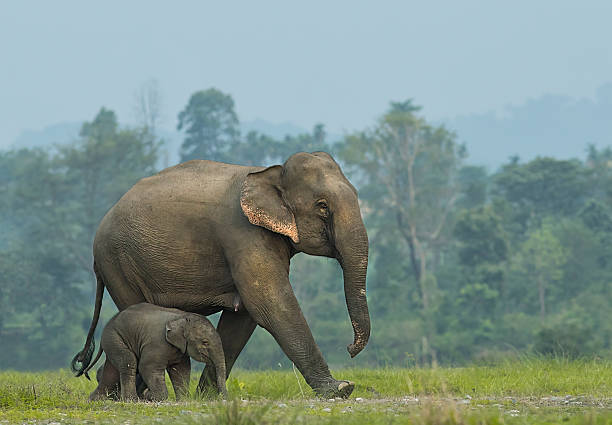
{"type": "Point", "coordinates": [148, 339]}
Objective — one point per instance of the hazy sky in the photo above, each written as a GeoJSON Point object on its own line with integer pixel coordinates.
{"type": "Point", "coordinates": [336, 62]}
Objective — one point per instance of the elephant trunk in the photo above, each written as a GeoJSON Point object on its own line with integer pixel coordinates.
{"type": "Point", "coordinates": [218, 359]}
{"type": "Point", "coordinates": [351, 241]}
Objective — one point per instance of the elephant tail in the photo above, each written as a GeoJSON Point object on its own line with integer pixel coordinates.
{"type": "Point", "coordinates": [93, 363]}
{"type": "Point", "coordinates": [82, 359]}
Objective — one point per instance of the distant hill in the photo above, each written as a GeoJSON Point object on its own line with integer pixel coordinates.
{"type": "Point", "coordinates": [550, 125]}
{"type": "Point", "coordinates": [59, 133]}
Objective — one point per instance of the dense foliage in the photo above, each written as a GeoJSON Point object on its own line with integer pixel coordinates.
{"type": "Point", "coordinates": [465, 264]}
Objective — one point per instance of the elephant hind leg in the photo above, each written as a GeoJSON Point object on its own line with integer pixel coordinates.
{"type": "Point", "coordinates": [108, 383]}
{"type": "Point", "coordinates": [126, 364]}
{"type": "Point", "coordinates": [155, 379]}
{"type": "Point", "coordinates": [141, 387]}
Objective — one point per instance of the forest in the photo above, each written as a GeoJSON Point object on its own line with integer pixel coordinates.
{"type": "Point", "coordinates": [467, 265]}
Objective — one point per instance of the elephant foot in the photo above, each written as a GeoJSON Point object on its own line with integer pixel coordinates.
{"type": "Point", "coordinates": [96, 396]}
{"type": "Point", "coordinates": [102, 394]}
{"type": "Point", "coordinates": [150, 396]}
{"type": "Point", "coordinates": [335, 389]}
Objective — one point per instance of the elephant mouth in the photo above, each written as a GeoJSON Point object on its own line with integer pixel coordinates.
{"type": "Point", "coordinates": [205, 358]}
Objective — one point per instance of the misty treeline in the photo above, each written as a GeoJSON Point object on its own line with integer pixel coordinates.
{"type": "Point", "coordinates": [465, 265]}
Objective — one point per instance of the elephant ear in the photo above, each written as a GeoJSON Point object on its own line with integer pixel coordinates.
{"type": "Point", "coordinates": [263, 203]}
{"type": "Point", "coordinates": [175, 333]}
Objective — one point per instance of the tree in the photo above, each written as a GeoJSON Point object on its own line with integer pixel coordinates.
{"type": "Point", "coordinates": [148, 106]}
{"type": "Point", "coordinates": [599, 163]}
{"type": "Point", "coordinates": [542, 187]}
{"type": "Point", "coordinates": [256, 149]}
{"type": "Point", "coordinates": [210, 124]}
{"type": "Point", "coordinates": [473, 181]}
{"type": "Point", "coordinates": [52, 204]}
{"type": "Point", "coordinates": [481, 236]}
{"type": "Point", "coordinates": [410, 172]}
{"type": "Point", "coordinates": [305, 142]}
{"type": "Point", "coordinates": [97, 170]}
{"type": "Point", "coordinates": [259, 149]}
{"type": "Point", "coordinates": [541, 259]}
{"type": "Point", "coordinates": [482, 253]}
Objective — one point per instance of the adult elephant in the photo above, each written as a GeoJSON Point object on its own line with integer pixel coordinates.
{"type": "Point", "coordinates": [194, 234]}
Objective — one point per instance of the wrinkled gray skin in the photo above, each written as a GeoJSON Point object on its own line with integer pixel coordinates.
{"type": "Point", "coordinates": [194, 234]}
{"type": "Point", "coordinates": [149, 340]}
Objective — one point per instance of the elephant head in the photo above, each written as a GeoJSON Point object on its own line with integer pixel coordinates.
{"type": "Point", "coordinates": [310, 201]}
{"type": "Point", "coordinates": [196, 336]}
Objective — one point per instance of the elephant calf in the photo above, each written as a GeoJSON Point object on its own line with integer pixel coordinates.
{"type": "Point", "coordinates": [148, 340]}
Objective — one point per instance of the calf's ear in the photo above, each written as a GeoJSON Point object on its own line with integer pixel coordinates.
{"type": "Point", "coordinates": [175, 333]}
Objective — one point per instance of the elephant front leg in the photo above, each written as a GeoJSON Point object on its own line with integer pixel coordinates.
{"type": "Point", "coordinates": [156, 383]}
{"type": "Point", "coordinates": [180, 374]}
{"type": "Point", "coordinates": [152, 368]}
{"type": "Point", "coordinates": [267, 295]}
{"type": "Point", "coordinates": [235, 329]}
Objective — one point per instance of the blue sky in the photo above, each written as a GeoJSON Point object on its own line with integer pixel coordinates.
{"type": "Point", "coordinates": [337, 62]}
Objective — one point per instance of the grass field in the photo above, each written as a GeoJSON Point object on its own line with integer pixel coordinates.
{"type": "Point", "coordinates": [532, 391]}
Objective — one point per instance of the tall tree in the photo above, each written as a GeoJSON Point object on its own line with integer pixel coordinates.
{"type": "Point", "coordinates": [52, 204]}
{"type": "Point", "coordinates": [259, 149]}
{"type": "Point", "coordinates": [98, 168]}
{"type": "Point", "coordinates": [148, 106]}
{"type": "Point", "coordinates": [211, 126]}
{"type": "Point", "coordinates": [541, 259]}
{"type": "Point", "coordinates": [473, 181]}
{"type": "Point", "coordinates": [410, 168]}
{"type": "Point", "coordinates": [599, 162]}
{"type": "Point", "coordinates": [542, 187]}
{"type": "Point", "coordinates": [482, 252]}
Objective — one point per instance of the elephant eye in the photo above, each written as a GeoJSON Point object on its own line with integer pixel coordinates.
{"type": "Point", "coordinates": [323, 209]}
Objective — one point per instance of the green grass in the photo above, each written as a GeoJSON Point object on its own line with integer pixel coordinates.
{"type": "Point", "coordinates": [525, 392]}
